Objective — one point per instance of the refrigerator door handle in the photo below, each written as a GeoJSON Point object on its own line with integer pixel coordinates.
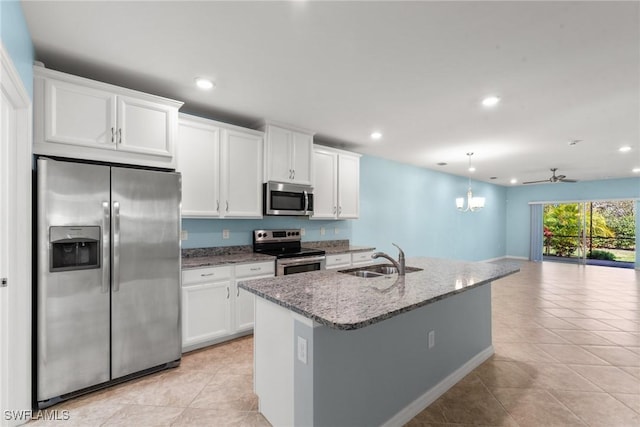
{"type": "Point", "coordinates": [116, 246]}
{"type": "Point", "coordinates": [105, 246]}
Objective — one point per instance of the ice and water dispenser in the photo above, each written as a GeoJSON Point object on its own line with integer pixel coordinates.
{"type": "Point", "coordinates": [74, 248]}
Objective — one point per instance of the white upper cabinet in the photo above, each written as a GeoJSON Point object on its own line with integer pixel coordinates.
{"type": "Point", "coordinates": [288, 154]}
{"type": "Point", "coordinates": [81, 118]}
{"type": "Point", "coordinates": [241, 167]}
{"type": "Point", "coordinates": [336, 184]}
{"type": "Point", "coordinates": [198, 161]}
{"type": "Point", "coordinates": [221, 168]}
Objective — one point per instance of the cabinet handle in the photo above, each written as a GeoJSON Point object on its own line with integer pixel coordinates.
{"type": "Point", "coordinates": [255, 268]}
{"type": "Point", "coordinates": [339, 210]}
{"type": "Point", "coordinates": [227, 206]}
{"type": "Point", "coordinates": [113, 134]}
{"type": "Point", "coordinates": [237, 292]}
{"type": "Point", "coordinates": [120, 136]}
{"type": "Point", "coordinates": [290, 172]}
{"type": "Point", "coordinates": [294, 174]}
{"type": "Point", "coordinates": [217, 205]}
{"type": "Point", "coordinates": [227, 292]}
{"type": "Point", "coordinates": [3, 283]}
{"type": "Point", "coordinates": [335, 209]}
{"type": "Point", "coordinates": [207, 274]}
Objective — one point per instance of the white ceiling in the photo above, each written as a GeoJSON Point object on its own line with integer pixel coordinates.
{"type": "Point", "coordinates": [416, 71]}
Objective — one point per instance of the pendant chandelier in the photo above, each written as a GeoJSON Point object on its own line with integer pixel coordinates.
{"type": "Point", "coordinates": [473, 203]}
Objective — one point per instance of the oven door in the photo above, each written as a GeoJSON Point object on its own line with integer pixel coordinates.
{"type": "Point", "coordinates": [287, 266]}
{"type": "Point", "coordinates": [287, 199]}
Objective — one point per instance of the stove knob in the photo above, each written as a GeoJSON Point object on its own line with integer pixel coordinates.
{"type": "Point", "coordinates": [297, 233]}
{"type": "Point", "coordinates": [288, 233]}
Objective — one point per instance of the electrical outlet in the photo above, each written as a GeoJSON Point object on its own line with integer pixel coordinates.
{"type": "Point", "coordinates": [302, 231]}
{"type": "Point", "coordinates": [184, 235]}
{"type": "Point", "coordinates": [302, 350]}
{"type": "Point", "coordinates": [225, 234]}
{"type": "Point", "coordinates": [322, 231]}
{"type": "Point", "coordinates": [432, 339]}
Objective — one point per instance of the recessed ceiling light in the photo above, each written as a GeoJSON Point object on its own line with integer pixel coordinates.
{"type": "Point", "coordinates": [204, 84]}
{"type": "Point", "coordinates": [513, 181]}
{"type": "Point", "coordinates": [490, 101]}
{"type": "Point", "coordinates": [441, 164]}
{"type": "Point", "coordinates": [376, 135]}
{"type": "Point", "coordinates": [624, 149]}
{"type": "Point", "coordinates": [472, 169]}
{"type": "Point", "coordinates": [635, 170]}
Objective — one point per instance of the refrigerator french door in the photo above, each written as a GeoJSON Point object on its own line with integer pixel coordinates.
{"type": "Point", "coordinates": [108, 275]}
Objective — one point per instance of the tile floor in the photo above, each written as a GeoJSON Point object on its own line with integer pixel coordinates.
{"type": "Point", "coordinates": [567, 353]}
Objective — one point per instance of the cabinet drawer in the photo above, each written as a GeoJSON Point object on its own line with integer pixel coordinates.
{"type": "Point", "coordinates": [258, 269]}
{"type": "Point", "coordinates": [208, 274]}
{"type": "Point", "coordinates": [338, 260]}
{"type": "Point", "coordinates": [361, 257]}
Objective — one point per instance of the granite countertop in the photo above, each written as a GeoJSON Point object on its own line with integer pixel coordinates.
{"type": "Point", "coordinates": [224, 255]}
{"type": "Point", "coordinates": [346, 302]}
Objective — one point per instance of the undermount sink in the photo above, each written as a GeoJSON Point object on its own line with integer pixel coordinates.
{"type": "Point", "coordinates": [376, 270]}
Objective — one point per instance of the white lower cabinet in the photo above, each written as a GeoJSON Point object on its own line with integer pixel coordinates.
{"type": "Point", "coordinates": [206, 308]}
{"type": "Point", "coordinates": [361, 258]}
{"type": "Point", "coordinates": [214, 309]}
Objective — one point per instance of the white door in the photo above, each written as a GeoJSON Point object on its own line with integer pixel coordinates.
{"type": "Point", "coordinates": [15, 245]}
{"type": "Point", "coordinates": [241, 174]}
{"type": "Point", "coordinates": [145, 127]}
{"type": "Point", "coordinates": [5, 177]}
{"type": "Point", "coordinates": [325, 171]}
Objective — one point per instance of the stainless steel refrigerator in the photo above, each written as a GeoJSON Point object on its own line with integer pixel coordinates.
{"type": "Point", "coordinates": [108, 275]}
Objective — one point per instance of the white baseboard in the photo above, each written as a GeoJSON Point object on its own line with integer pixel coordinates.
{"type": "Point", "coordinates": [418, 405]}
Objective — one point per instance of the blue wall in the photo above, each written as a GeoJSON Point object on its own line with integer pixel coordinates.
{"type": "Point", "coordinates": [518, 199]}
{"type": "Point", "coordinates": [17, 41]}
{"type": "Point", "coordinates": [415, 208]}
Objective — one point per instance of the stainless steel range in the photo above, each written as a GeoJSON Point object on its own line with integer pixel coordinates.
{"type": "Point", "coordinates": [286, 246]}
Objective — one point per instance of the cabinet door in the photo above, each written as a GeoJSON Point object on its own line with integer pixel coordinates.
{"type": "Point", "coordinates": [279, 154]}
{"type": "Point", "coordinates": [145, 127]}
{"type": "Point", "coordinates": [197, 160]}
{"type": "Point", "coordinates": [302, 157]}
{"type": "Point", "coordinates": [79, 115]}
{"type": "Point", "coordinates": [348, 186]}
{"type": "Point", "coordinates": [244, 310]}
{"type": "Point", "coordinates": [325, 173]}
{"type": "Point", "coordinates": [206, 312]}
{"type": "Point", "coordinates": [241, 165]}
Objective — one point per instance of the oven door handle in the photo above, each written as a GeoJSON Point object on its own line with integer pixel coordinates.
{"type": "Point", "coordinates": [297, 261]}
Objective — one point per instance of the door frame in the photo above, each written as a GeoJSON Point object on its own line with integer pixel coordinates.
{"type": "Point", "coordinates": [15, 336]}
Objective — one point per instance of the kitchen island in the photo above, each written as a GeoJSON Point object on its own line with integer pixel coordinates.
{"type": "Point", "coordinates": [333, 349]}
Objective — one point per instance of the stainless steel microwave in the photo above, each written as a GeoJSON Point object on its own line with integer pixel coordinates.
{"type": "Point", "coordinates": [282, 198]}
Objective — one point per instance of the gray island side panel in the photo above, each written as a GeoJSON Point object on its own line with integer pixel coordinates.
{"type": "Point", "coordinates": [365, 377]}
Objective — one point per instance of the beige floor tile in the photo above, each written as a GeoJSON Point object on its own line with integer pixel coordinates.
{"type": "Point", "coordinates": [624, 324]}
{"type": "Point", "coordinates": [582, 337]}
{"type": "Point", "coordinates": [539, 335]}
{"type": "Point", "coordinates": [609, 378]}
{"type": "Point", "coordinates": [521, 352]}
{"type": "Point", "coordinates": [598, 409]}
{"type": "Point", "coordinates": [194, 417]}
{"type": "Point", "coordinates": [635, 371]}
{"type": "Point", "coordinates": [597, 314]}
{"type": "Point", "coordinates": [592, 325]}
{"type": "Point", "coordinates": [78, 413]}
{"type": "Point", "coordinates": [144, 416]}
{"type": "Point", "coordinates": [621, 338]}
{"type": "Point", "coordinates": [564, 313]}
{"type": "Point", "coordinates": [557, 377]}
{"type": "Point", "coordinates": [631, 400]}
{"type": "Point", "coordinates": [571, 353]}
{"type": "Point", "coordinates": [557, 323]}
{"type": "Point", "coordinates": [470, 402]}
{"type": "Point", "coordinates": [535, 408]}
{"type": "Point", "coordinates": [615, 355]}
{"type": "Point", "coordinates": [502, 373]}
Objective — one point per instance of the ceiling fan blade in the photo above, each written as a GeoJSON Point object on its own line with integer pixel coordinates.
{"type": "Point", "coordinates": [537, 182]}
{"type": "Point", "coordinates": [568, 180]}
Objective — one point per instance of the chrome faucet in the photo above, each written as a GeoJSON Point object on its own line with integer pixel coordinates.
{"type": "Point", "coordinates": [397, 264]}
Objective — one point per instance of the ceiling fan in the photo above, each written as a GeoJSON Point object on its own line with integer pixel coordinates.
{"type": "Point", "coordinates": [554, 178]}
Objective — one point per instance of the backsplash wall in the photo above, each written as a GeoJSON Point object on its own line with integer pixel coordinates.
{"type": "Point", "coordinates": [206, 233]}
